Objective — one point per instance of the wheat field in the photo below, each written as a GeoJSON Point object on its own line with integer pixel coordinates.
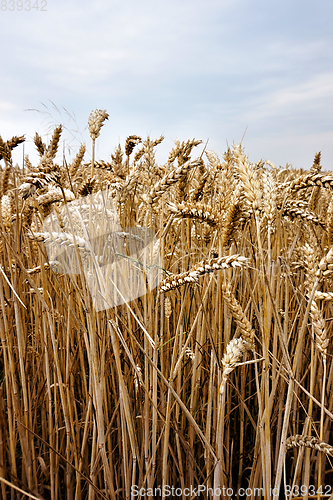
{"type": "Point", "coordinates": [219, 377]}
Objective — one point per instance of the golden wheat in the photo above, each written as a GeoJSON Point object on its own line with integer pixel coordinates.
{"type": "Point", "coordinates": [202, 385]}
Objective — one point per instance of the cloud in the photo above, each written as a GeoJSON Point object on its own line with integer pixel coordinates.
{"type": "Point", "coordinates": [6, 106]}
{"type": "Point", "coordinates": [190, 68]}
{"type": "Point", "coordinates": [308, 104]}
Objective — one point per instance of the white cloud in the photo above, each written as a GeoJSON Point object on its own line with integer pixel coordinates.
{"type": "Point", "coordinates": [189, 68]}
{"type": "Point", "coordinates": [313, 97]}
{"type": "Point", "coordinates": [6, 107]}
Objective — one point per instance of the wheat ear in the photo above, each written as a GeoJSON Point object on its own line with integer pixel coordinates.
{"type": "Point", "coordinates": [309, 442]}
{"type": "Point", "coordinates": [171, 178]}
{"type": "Point", "coordinates": [233, 355]}
{"type": "Point", "coordinates": [241, 320]}
{"type": "Point", "coordinates": [204, 267]}
{"type": "Point", "coordinates": [194, 211]}
{"type": "Point", "coordinates": [318, 322]}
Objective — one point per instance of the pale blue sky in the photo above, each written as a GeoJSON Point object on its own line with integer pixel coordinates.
{"type": "Point", "coordinates": [188, 68]}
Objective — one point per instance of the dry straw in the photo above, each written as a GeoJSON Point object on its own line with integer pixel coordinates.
{"type": "Point", "coordinates": [202, 385]}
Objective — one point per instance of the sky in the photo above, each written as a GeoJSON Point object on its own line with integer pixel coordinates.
{"type": "Point", "coordinates": [258, 71]}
